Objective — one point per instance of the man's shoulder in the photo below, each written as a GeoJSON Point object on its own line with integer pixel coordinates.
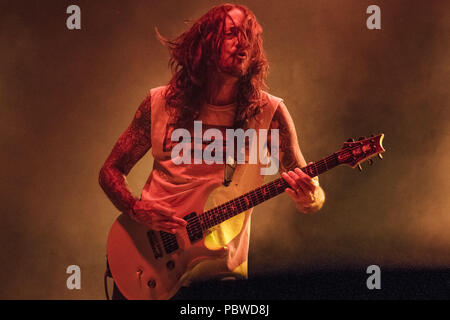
{"type": "Point", "coordinates": [158, 90]}
{"type": "Point", "coordinates": [270, 99]}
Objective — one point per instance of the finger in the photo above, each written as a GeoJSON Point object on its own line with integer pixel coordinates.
{"type": "Point", "coordinates": [171, 230]}
{"type": "Point", "coordinates": [304, 180]}
{"type": "Point", "coordinates": [299, 186]}
{"type": "Point", "coordinates": [175, 220]}
{"type": "Point", "coordinates": [300, 172]}
{"type": "Point", "coordinates": [306, 186]}
{"type": "Point", "coordinates": [168, 225]}
{"type": "Point", "coordinates": [180, 221]}
{"type": "Point", "coordinates": [289, 180]}
{"type": "Point", "coordinates": [168, 230]}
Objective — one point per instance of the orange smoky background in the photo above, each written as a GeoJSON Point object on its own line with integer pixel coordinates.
{"type": "Point", "coordinates": [66, 96]}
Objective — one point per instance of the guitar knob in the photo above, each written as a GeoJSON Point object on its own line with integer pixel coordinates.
{"type": "Point", "coordinates": [380, 156]}
{"type": "Point", "coordinates": [359, 167]}
{"type": "Point", "coordinates": [151, 283]}
{"type": "Point", "coordinates": [170, 264]}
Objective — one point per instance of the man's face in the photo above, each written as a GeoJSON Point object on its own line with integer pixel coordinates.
{"type": "Point", "coordinates": [234, 57]}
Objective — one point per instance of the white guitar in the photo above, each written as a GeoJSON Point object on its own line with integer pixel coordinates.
{"type": "Point", "coordinates": [148, 264]}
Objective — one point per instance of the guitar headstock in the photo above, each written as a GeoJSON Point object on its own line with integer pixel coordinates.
{"type": "Point", "coordinates": [353, 153]}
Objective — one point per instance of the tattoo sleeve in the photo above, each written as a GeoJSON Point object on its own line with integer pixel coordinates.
{"type": "Point", "coordinates": [132, 145]}
{"type": "Point", "coordinates": [290, 155]}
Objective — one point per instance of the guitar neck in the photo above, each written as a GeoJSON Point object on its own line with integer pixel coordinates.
{"type": "Point", "coordinates": [263, 193]}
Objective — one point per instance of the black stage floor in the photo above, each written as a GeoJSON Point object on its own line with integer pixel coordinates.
{"type": "Point", "coordinates": [423, 284]}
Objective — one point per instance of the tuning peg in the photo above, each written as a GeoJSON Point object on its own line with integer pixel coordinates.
{"type": "Point", "coordinates": [359, 167]}
{"type": "Point", "coordinates": [350, 140]}
{"type": "Point", "coordinates": [380, 156]}
{"type": "Point", "coordinates": [361, 138]}
{"type": "Point", "coordinates": [370, 161]}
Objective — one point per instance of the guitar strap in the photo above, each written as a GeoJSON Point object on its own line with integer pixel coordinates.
{"type": "Point", "coordinates": [228, 173]}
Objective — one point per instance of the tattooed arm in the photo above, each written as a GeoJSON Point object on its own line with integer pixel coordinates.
{"type": "Point", "coordinates": [306, 192]}
{"type": "Point", "coordinates": [132, 145]}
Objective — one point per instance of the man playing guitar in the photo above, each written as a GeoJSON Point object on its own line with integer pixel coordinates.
{"type": "Point", "coordinates": [219, 70]}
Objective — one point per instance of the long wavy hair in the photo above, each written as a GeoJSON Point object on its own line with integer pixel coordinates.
{"type": "Point", "coordinates": [196, 51]}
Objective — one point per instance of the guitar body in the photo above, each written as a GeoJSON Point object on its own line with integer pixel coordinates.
{"type": "Point", "coordinates": [139, 272]}
{"type": "Point", "coordinates": [148, 264]}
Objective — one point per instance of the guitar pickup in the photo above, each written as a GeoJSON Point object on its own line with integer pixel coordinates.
{"type": "Point", "coordinates": [169, 241]}
{"type": "Point", "coordinates": [194, 228]}
{"type": "Point", "coordinates": [155, 244]}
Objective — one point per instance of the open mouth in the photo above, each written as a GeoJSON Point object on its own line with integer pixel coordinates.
{"type": "Point", "coordinates": [241, 55]}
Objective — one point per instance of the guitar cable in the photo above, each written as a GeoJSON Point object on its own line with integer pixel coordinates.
{"type": "Point", "coordinates": [105, 278]}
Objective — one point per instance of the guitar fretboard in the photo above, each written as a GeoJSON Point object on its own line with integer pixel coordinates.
{"type": "Point", "coordinates": [263, 193]}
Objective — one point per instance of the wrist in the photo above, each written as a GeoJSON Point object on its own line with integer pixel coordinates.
{"type": "Point", "coordinates": [130, 212]}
